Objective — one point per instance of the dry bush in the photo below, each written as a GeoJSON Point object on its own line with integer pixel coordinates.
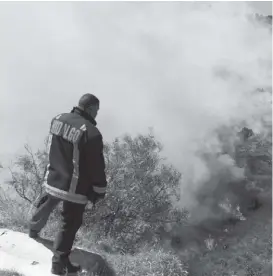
{"type": "Point", "coordinates": [27, 174]}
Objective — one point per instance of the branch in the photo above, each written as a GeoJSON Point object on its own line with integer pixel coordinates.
{"type": "Point", "coordinates": [20, 192]}
{"type": "Point", "coordinates": [37, 174]}
{"type": "Point", "coordinates": [157, 194]}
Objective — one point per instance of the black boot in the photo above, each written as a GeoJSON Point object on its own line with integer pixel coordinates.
{"type": "Point", "coordinates": [73, 268]}
{"type": "Point", "coordinates": [58, 269]}
{"type": "Point", "coordinates": [33, 234]}
{"type": "Point", "coordinates": [64, 267]}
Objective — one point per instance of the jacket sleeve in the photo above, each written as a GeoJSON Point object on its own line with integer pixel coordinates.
{"type": "Point", "coordinates": [96, 164]}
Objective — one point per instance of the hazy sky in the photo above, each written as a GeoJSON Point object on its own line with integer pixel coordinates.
{"type": "Point", "coordinates": [183, 68]}
{"type": "Point", "coordinates": [264, 7]}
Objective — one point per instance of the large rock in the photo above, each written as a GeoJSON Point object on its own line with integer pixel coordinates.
{"type": "Point", "coordinates": [20, 253]}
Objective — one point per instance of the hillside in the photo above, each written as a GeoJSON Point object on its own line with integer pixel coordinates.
{"type": "Point", "coordinates": [233, 244]}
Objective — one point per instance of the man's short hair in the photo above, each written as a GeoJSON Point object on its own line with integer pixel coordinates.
{"type": "Point", "coordinates": [88, 100]}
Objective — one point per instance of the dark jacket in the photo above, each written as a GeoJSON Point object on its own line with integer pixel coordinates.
{"type": "Point", "coordinates": [76, 169]}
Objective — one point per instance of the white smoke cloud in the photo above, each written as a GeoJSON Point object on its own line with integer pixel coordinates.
{"type": "Point", "coordinates": [183, 68]}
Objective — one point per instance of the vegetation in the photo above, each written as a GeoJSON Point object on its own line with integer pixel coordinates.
{"type": "Point", "coordinates": [9, 273]}
{"type": "Point", "coordinates": [137, 227]}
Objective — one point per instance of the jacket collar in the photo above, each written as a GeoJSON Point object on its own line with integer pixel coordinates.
{"type": "Point", "coordinates": [84, 114]}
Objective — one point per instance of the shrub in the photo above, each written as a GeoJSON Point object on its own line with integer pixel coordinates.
{"type": "Point", "coordinates": [138, 200]}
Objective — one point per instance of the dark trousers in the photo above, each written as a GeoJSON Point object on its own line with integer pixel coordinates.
{"type": "Point", "coordinates": [72, 214]}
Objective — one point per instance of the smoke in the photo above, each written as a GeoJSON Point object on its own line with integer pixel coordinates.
{"type": "Point", "coordinates": [183, 68]}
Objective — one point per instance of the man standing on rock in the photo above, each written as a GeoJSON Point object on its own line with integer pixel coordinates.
{"type": "Point", "coordinates": [74, 175]}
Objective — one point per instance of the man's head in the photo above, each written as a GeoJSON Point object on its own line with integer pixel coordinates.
{"type": "Point", "coordinates": [90, 104]}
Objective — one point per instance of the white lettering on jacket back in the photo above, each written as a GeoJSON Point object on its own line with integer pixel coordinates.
{"type": "Point", "coordinates": [66, 131]}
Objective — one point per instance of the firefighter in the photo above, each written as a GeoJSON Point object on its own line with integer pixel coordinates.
{"type": "Point", "coordinates": [75, 175]}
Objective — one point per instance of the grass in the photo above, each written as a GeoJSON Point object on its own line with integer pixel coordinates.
{"type": "Point", "coordinates": [155, 262]}
{"type": "Point", "coordinates": [9, 273]}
